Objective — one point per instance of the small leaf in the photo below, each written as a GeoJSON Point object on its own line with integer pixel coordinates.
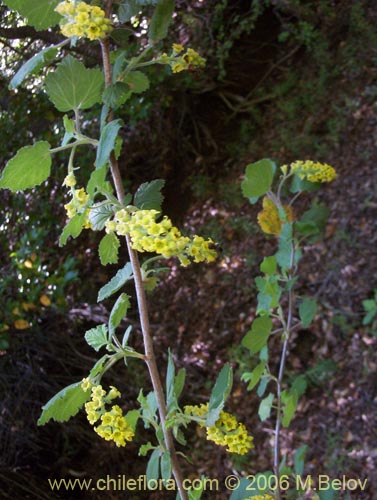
{"type": "Point", "coordinates": [108, 249]}
{"type": "Point", "coordinates": [269, 265]}
{"type": "Point", "coordinates": [99, 214]}
{"type": "Point", "coordinates": [30, 167]}
{"type": "Point", "coordinates": [179, 382]}
{"type": "Point", "coordinates": [258, 178]}
{"type": "Point", "coordinates": [126, 336]}
{"type": "Point", "coordinates": [219, 394]}
{"type": "Point", "coordinates": [73, 86]}
{"type": "Point", "coordinates": [161, 19]}
{"type": "Point", "coordinates": [137, 81]}
{"type": "Point", "coordinates": [144, 448]}
{"type": "Point", "coordinates": [153, 467]}
{"type": "Point", "coordinates": [96, 181]}
{"type": "Point", "coordinates": [299, 460]}
{"type": "Point", "coordinates": [40, 14]}
{"type": "Point", "coordinates": [107, 140]}
{"type": "Point", "coordinates": [121, 277]}
{"type": "Point", "coordinates": [284, 254]}
{"type": "Point", "coordinates": [264, 410]}
{"type": "Point", "coordinates": [148, 196]}
{"type": "Point", "coordinates": [166, 466]}
{"type": "Point", "coordinates": [73, 228]}
{"type": "Point", "coordinates": [97, 337]}
{"type": "Point", "coordinates": [132, 417]}
{"type": "Point", "coordinates": [257, 336]}
{"type": "Point", "coordinates": [116, 95]}
{"type": "Point", "coordinates": [307, 310]}
{"type": "Point", "coordinates": [65, 404]}
{"type": "Point", "coordinates": [33, 65]}
{"type": "Point", "coordinates": [290, 400]}
{"type": "Point", "coordinates": [118, 312]}
{"type": "Point", "coordinates": [254, 377]}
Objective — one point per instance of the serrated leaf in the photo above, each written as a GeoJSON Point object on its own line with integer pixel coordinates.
{"type": "Point", "coordinates": [161, 20]}
{"type": "Point", "coordinates": [148, 196]}
{"type": "Point", "coordinates": [108, 249]}
{"type": "Point", "coordinates": [265, 406]}
{"type": "Point", "coordinates": [28, 168]}
{"type": "Point", "coordinates": [307, 310]}
{"type": "Point", "coordinates": [144, 448]}
{"type": "Point", "coordinates": [118, 312]}
{"type": "Point", "coordinates": [99, 214]}
{"type": "Point", "coordinates": [97, 337]}
{"type": "Point", "coordinates": [73, 228]}
{"type": "Point", "coordinates": [166, 466]}
{"type": "Point", "coordinates": [257, 336]}
{"type": "Point", "coordinates": [106, 143]}
{"type": "Point", "coordinates": [33, 65]}
{"type": "Point", "coordinates": [137, 81]}
{"type": "Point", "coordinates": [121, 277]}
{"type": "Point", "coordinates": [40, 14]}
{"type": "Point", "coordinates": [73, 86]}
{"type": "Point", "coordinates": [96, 180]}
{"type": "Point", "coordinates": [65, 404]}
{"type": "Point", "coordinates": [153, 467]}
{"type": "Point", "coordinates": [258, 178]}
{"type": "Point", "coordinates": [219, 394]}
{"type": "Point", "coordinates": [116, 95]}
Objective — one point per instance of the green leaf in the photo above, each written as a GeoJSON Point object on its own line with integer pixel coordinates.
{"type": "Point", "coordinates": [148, 196]}
{"type": "Point", "coordinates": [99, 366]}
{"type": "Point", "coordinates": [99, 214]}
{"type": "Point", "coordinates": [269, 265]}
{"type": "Point", "coordinates": [265, 406]}
{"type": "Point", "coordinates": [179, 382]}
{"type": "Point", "coordinates": [258, 178]}
{"type": "Point", "coordinates": [269, 293]}
{"type": "Point", "coordinates": [307, 310]}
{"type": "Point", "coordinates": [170, 375]}
{"type": "Point", "coordinates": [33, 65]}
{"type": "Point", "coordinates": [107, 142]}
{"type": "Point", "coordinates": [166, 466]}
{"type": "Point", "coordinates": [153, 467]}
{"type": "Point", "coordinates": [96, 181]}
{"type": "Point", "coordinates": [121, 277]}
{"type": "Point", "coordinates": [254, 377]}
{"type": "Point", "coordinates": [73, 86]}
{"type": "Point", "coordinates": [298, 185]}
{"type": "Point", "coordinates": [257, 336]}
{"type": "Point", "coordinates": [127, 10]}
{"type": "Point", "coordinates": [299, 460]}
{"type": "Point", "coordinates": [73, 228]}
{"type": "Point", "coordinates": [30, 167]}
{"type": "Point", "coordinates": [97, 337]}
{"type": "Point", "coordinates": [122, 36]}
{"type": "Point", "coordinates": [40, 14]}
{"type": "Point", "coordinates": [144, 448]}
{"type": "Point", "coordinates": [116, 95]}
{"type": "Point", "coordinates": [137, 81]}
{"type": "Point", "coordinates": [132, 417]}
{"type": "Point", "coordinates": [108, 249]}
{"type": "Point", "coordinates": [317, 214]}
{"type": "Point", "coordinates": [161, 19]}
{"type": "Point", "coordinates": [69, 127]}
{"type": "Point", "coordinates": [118, 312]}
{"type": "Point", "coordinates": [284, 254]}
{"type": "Point", "coordinates": [263, 385]}
{"type": "Point", "coordinates": [65, 404]}
{"type": "Point", "coordinates": [290, 400]}
{"type": "Point", "coordinates": [219, 394]}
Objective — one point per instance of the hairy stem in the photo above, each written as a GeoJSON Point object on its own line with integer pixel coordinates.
{"type": "Point", "coordinates": [141, 297]}
{"type": "Point", "coordinates": [287, 332]}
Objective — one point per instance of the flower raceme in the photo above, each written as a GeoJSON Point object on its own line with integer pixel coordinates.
{"type": "Point", "coordinates": [83, 20]}
{"type": "Point", "coordinates": [226, 432]}
{"type": "Point", "coordinates": [269, 219]}
{"type": "Point", "coordinates": [113, 426]}
{"type": "Point", "coordinates": [162, 237]}
{"type": "Point", "coordinates": [313, 171]}
{"type": "Point", "coordinates": [180, 62]}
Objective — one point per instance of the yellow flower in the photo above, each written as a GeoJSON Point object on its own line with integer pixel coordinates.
{"type": "Point", "coordinates": [83, 20]}
{"type": "Point", "coordinates": [269, 219]}
{"type": "Point", "coordinates": [21, 324]}
{"type": "Point", "coordinates": [177, 48]}
{"type": "Point", "coordinates": [86, 384]}
{"type": "Point", "coordinates": [313, 171]}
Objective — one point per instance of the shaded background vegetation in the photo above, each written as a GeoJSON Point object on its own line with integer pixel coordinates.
{"type": "Point", "coordinates": [284, 79]}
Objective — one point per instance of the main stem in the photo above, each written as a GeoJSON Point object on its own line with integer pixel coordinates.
{"type": "Point", "coordinates": [287, 332]}
{"type": "Point", "coordinates": [141, 298]}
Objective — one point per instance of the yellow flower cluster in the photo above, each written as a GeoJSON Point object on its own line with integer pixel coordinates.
{"type": "Point", "coordinates": [226, 432]}
{"type": "Point", "coordinates": [113, 426]}
{"type": "Point", "coordinates": [84, 20]}
{"type": "Point", "coordinates": [313, 171]}
{"type": "Point", "coordinates": [162, 237]}
{"type": "Point", "coordinates": [269, 219]}
{"type": "Point", "coordinates": [180, 62]}
{"type": "Point", "coordinates": [78, 202]}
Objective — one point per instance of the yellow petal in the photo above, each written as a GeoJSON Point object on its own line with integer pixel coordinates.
{"type": "Point", "coordinates": [21, 324]}
{"type": "Point", "coordinates": [44, 300]}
